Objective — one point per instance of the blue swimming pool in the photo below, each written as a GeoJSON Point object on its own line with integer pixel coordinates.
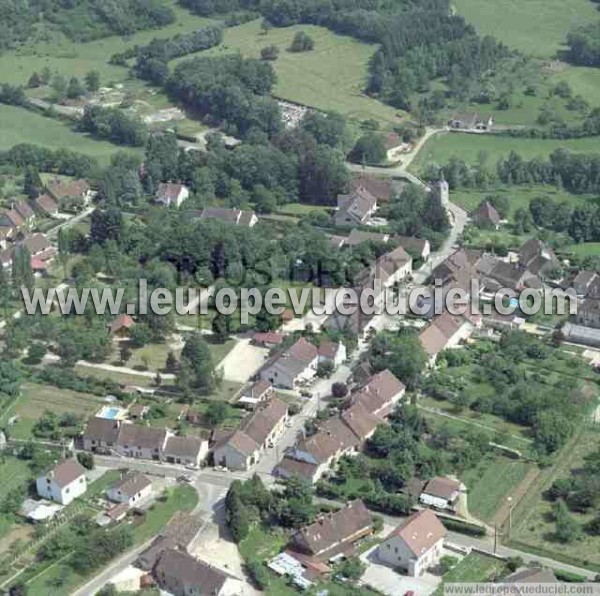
{"type": "Point", "coordinates": [110, 413]}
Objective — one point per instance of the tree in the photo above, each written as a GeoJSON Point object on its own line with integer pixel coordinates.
{"type": "Point", "coordinates": [216, 413]}
{"type": "Point", "coordinates": [567, 528]}
{"type": "Point", "coordinates": [171, 363]}
{"type": "Point", "coordinates": [302, 42]}
{"type": "Point", "coordinates": [59, 86]}
{"type": "Point", "coordinates": [352, 568]}
{"type": "Point", "coordinates": [296, 506]}
{"type": "Point", "coordinates": [32, 182]}
{"type": "Point", "coordinates": [269, 53]}
{"type": "Point", "coordinates": [339, 390]}
{"type": "Point", "coordinates": [92, 81]}
{"type": "Point", "coordinates": [220, 327]}
{"type": "Point", "coordinates": [197, 359]}
{"type": "Point", "coordinates": [86, 460]}
{"type": "Point", "coordinates": [325, 369]}
{"type": "Point", "coordinates": [369, 149]}
{"type": "Point", "coordinates": [36, 353]}
{"type": "Point", "coordinates": [125, 352]}
{"type": "Point", "coordinates": [75, 89]}
{"type": "Point", "coordinates": [35, 81]}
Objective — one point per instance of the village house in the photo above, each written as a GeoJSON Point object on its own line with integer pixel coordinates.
{"type": "Point", "coordinates": [333, 533]}
{"type": "Point", "coordinates": [380, 393]}
{"type": "Point", "coordinates": [180, 574]}
{"type": "Point", "coordinates": [393, 267]}
{"type": "Point", "coordinates": [181, 533]}
{"type": "Point", "coordinates": [332, 352]}
{"type": "Point", "coordinates": [394, 146]}
{"type": "Point", "coordinates": [355, 208]}
{"type": "Point", "coordinates": [267, 339]}
{"type": "Point", "coordinates": [335, 241]}
{"type": "Point", "coordinates": [9, 218]}
{"type": "Point", "coordinates": [588, 313]}
{"type": "Point", "coordinates": [131, 489]}
{"type": "Point", "coordinates": [537, 257]}
{"type": "Point", "coordinates": [73, 194]}
{"type": "Point", "coordinates": [292, 367]}
{"type": "Point", "coordinates": [416, 545]}
{"type": "Point", "coordinates": [258, 432]}
{"type": "Point", "coordinates": [380, 188]}
{"type": "Point", "coordinates": [63, 483]}
{"type": "Point", "coordinates": [418, 248]}
{"type": "Point", "coordinates": [313, 456]}
{"type": "Point", "coordinates": [442, 493]}
{"type": "Point", "coordinates": [486, 216]}
{"type": "Point", "coordinates": [120, 327]}
{"type": "Point", "coordinates": [360, 421]}
{"type": "Point", "coordinates": [586, 283]}
{"type": "Point", "coordinates": [445, 331]}
{"type": "Point", "coordinates": [471, 122]}
{"type": "Point", "coordinates": [100, 435]}
{"type": "Point", "coordinates": [38, 245]}
{"type": "Point", "coordinates": [187, 451]}
{"type": "Point", "coordinates": [171, 194]}
{"type": "Point", "coordinates": [255, 393]}
{"type": "Point", "coordinates": [138, 411]}
{"type": "Point", "coordinates": [45, 205]}
{"type": "Point", "coordinates": [236, 217]}
{"type": "Point", "coordinates": [141, 442]}
{"type": "Point", "coordinates": [25, 211]}
{"type": "Point", "coordinates": [358, 237]}
{"type": "Point", "coordinates": [532, 575]}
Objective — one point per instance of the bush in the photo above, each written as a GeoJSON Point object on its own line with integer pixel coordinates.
{"type": "Point", "coordinates": [259, 573]}
{"type": "Point", "coordinates": [455, 525]}
{"type": "Point", "coordinates": [567, 576]}
{"type": "Point", "coordinates": [269, 53]}
{"type": "Point", "coordinates": [302, 43]}
{"type": "Point", "coordinates": [513, 563]}
{"type": "Point", "coordinates": [86, 460]}
{"type": "Point", "coordinates": [447, 562]}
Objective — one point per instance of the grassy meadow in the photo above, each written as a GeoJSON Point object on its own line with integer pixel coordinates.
{"type": "Point", "coordinates": [69, 58]}
{"type": "Point", "coordinates": [468, 147]}
{"type": "Point", "coordinates": [331, 77]}
{"type": "Point", "coordinates": [534, 27]}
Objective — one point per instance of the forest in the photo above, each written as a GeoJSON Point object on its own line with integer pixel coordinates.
{"type": "Point", "coordinates": [80, 20]}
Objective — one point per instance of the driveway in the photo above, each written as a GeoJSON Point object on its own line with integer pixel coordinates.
{"type": "Point", "coordinates": [387, 581]}
{"type": "Point", "coordinates": [243, 361]}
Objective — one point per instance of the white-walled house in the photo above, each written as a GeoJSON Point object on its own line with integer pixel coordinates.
{"type": "Point", "coordinates": [416, 545]}
{"type": "Point", "coordinates": [63, 483]}
{"type": "Point", "coordinates": [171, 194]}
{"type": "Point", "coordinates": [130, 489]}
{"type": "Point", "coordinates": [442, 492]}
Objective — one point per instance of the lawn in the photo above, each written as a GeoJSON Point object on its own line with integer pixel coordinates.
{"type": "Point", "coordinates": [587, 249]}
{"type": "Point", "coordinates": [475, 567]}
{"type": "Point", "coordinates": [469, 148]}
{"type": "Point", "coordinates": [518, 196]}
{"type": "Point", "coordinates": [13, 472]}
{"type": "Point", "coordinates": [535, 27]}
{"type": "Point", "coordinates": [19, 125]}
{"type": "Point", "coordinates": [491, 482]}
{"type": "Point", "coordinates": [331, 77]}
{"type": "Point", "coordinates": [303, 209]}
{"type": "Point", "coordinates": [583, 80]}
{"type": "Point", "coordinates": [69, 58]}
{"type": "Point", "coordinates": [35, 400]}
{"type": "Point", "coordinates": [532, 519]}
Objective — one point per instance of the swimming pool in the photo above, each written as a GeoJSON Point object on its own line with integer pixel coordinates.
{"type": "Point", "coordinates": [111, 413]}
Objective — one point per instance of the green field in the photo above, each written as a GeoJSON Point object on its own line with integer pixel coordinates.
{"type": "Point", "coordinates": [519, 196]}
{"type": "Point", "coordinates": [535, 27]}
{"type": "Point", "coordinates": [491, 483]}
{"type": "Point", "coordinates": [36, 399]}
{"type": "Point", "coordinates": [583, 80]}
{"type": "Point", "coordinates": [468, 147]}
{"type": "Point", "coordinates": [69, 58]}
{"type": "Point", "coordinates": [331, 77]}
{"type": "Point", "coordinates": [587, 249]}
{"type": "Point", "coordinates": [532, 520]}
{"type": "Point", "coordinates": [23, 126]}
{"type": "Point", "coordinates": [475, 567]}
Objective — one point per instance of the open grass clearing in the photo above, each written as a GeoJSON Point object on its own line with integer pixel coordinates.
{"type": "Point", "coordinates": [534, 27]}
{"type": "Point", "coordinates": [532, 518]}
{"type": "Point", "coordinates": [19, 125]}
{"type": "Point", "coordinates": [518, 196]}
{"type": "Point", "coordinates": [587, 249]}
{"type": "Point", "coordinates": [475, 567]}
{"type": "Point", "coordinates": [492, 482]}
{"type": "Point", "coordinates": [71, 58]}
{"type": "Point", "coordinates": [469, 147]}
{"type": "Point", "coordinates": [35, 400]}
{"type": "Point", "coordinates": [584, 81]}
{"type": "Point", "coordinates": [331, 77]}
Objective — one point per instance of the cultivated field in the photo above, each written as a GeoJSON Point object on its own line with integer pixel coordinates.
{"type": "Point", "coordinates": [331, 77]}
{"type": "Point", "coordinates": [535, 27]}
{"type": "Point", "coordinates": [468, 147]}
